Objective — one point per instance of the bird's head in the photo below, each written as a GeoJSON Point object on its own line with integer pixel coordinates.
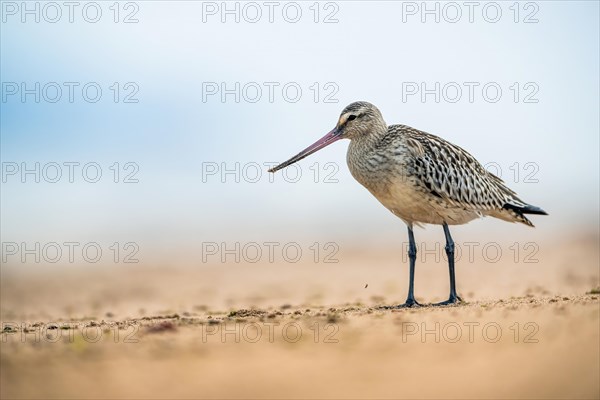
{"type": "Point", "coordinates": [357, 120]}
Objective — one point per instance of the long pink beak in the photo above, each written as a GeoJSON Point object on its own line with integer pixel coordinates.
{"type": "Point", "coordinates": [325, 141]}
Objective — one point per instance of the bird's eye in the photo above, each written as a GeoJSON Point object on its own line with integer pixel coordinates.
{"type": "Point", "coordinates": [351, 117]}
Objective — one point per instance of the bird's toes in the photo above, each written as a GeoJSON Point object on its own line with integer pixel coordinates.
{"type": "Point", "coordinates": [411, 303]}
{"type": "Point", "coordinates": [452, 301]}
{"type": "Point", "coordinates": [407, 304]}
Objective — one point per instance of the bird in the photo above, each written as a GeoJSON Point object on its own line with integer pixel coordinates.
{"type": "Point", "coordinates": [421, 178]}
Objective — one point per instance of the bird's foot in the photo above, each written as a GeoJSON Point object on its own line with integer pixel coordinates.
{"type": "Point", "coordinates": [410, 303]}
{"type": "Point", "coordinates": [453, 300]}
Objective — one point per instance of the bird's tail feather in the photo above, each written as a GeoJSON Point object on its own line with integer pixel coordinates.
{"type": "Point", "coordinates": [526, 209]}
{"type": "Point", "coordinates": [518, 212]}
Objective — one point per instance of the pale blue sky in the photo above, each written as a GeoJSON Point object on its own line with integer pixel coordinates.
{"type": "Point", "coordinates": [368, 55]}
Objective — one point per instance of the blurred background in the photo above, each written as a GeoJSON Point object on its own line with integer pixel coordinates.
{"type": "Point", "coordinates": [145, 129]}
{"type": "Point", "coordinates": [135, 142]}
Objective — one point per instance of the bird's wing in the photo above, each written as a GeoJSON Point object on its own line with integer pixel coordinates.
{"type": "Point", "coordinates": [451, 173]}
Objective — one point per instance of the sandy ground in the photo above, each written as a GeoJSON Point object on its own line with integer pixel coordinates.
{"type": "Point", "coordinates": [306, 330]}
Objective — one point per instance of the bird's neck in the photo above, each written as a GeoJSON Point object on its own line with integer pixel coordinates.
{"type": "Point", "coordinates": [369, 140]}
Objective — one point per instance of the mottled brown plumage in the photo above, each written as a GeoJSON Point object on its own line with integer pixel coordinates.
{"type": "Point", "coordinates": [419, 177]}
{"type": "Point", "coordinates": [424, 179]}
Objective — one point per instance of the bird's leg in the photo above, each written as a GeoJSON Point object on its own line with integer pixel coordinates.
{"type": "Point", "coordinates": [412, 256]}
{"type": "Point", "coordinates": [450, 253]}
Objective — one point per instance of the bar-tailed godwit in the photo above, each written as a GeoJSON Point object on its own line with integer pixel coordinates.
{"type": "Point", "coordinates": [421, 178]}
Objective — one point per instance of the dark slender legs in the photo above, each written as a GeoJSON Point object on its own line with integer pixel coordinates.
{"type": "Point", "coordinates": [450, 253]}
{"type": "Point", "coordinates": [412, 255]}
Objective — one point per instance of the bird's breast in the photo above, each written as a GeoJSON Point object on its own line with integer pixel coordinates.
{"type": "Point", "coordinates": [384, 173]}
{"type": "Point", "coordinates": [391, 179]}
